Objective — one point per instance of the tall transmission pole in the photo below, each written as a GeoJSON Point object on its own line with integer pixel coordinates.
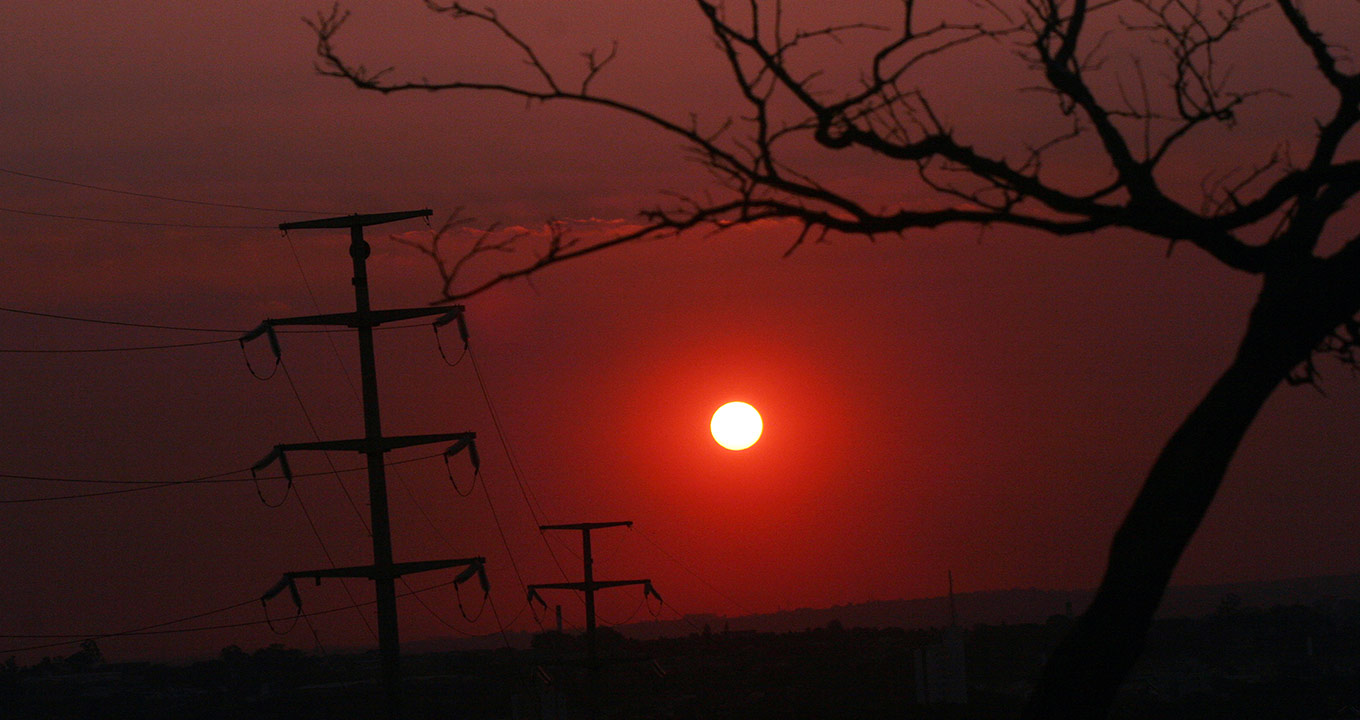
{"type": "Point", "coordinates": [384, 571]}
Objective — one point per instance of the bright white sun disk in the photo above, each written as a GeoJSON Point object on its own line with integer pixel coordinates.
{"type": "Point", "coordinates": [736, 426]}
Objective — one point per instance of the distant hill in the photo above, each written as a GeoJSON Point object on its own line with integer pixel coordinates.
{"type": "Point", "coordinates": [1025, 605]}
{"type": "Point", "coordinates": [992, 607]}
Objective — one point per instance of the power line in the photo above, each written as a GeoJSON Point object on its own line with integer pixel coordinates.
{"type": "Point", "coordinates": [307, 514]}
{"type": "Point", "coordinates": [221, 477]}
{"type": "Point", "coordinates": [182, 328]}
{"type": "Point", "coordinates": [134, 348]}
{"type": "Point", "coordinates": [504, 542]}
{"type": "Point", "coordinates": [74, 496]}
{"type": "Point", "coordinates": [143, 485]}
{"type": "Point", "coordinates": [122, 323]}
{"type": "Point", "coordinates": [142, 629]}
{"type": "Point", "coordinates": [316, 435]}
{"type": "Point", "coordinates": [631, 616]}
{"type": "Point", "coordinates": [166, 198]}
{"type": "Point", "coordinates": [326, 551]}
{"type": "Point", "coordinates": [505, 636]}
{"type": "Point", "coordinates": [691, 571]}
{"type": "Point", "coordinates": [143, 223]}
{"type": "Point", "coordinates": [73, 639]}
{"type": "Point", "coordinates": [682, 616]}
{"type": "Point", "coordinates": [510, 458]}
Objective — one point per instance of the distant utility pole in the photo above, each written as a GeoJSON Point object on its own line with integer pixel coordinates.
{"type": "Point", "coordinates": [384, 571]}
{"type": "Point", "coordinates": [953, 612]}
{"type": "Point", "coordinates": [589, 585]}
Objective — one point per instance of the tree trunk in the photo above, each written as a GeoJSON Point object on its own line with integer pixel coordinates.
{"type": "Point", "coordinates": [1087, 668]}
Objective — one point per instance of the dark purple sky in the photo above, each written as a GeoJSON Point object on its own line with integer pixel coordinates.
{"type": "Point", "coordinates": [986, 404]}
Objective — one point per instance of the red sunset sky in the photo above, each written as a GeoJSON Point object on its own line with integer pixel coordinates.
{"type": "Point", "coordinates": [985, 404]}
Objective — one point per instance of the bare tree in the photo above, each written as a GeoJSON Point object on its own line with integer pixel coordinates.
{"type": "Point", "coordinates": [1279, 220]}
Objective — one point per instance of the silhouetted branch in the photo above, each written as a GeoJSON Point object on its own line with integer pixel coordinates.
{"type": "Point", "coordinates": [1307, 306]}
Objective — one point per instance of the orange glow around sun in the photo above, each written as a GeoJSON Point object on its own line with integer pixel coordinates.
{"type": "Point", "coordinates": [736, 426]}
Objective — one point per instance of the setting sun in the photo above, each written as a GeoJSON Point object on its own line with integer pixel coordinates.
{"type": "Point", "coordinates": [736, 426]}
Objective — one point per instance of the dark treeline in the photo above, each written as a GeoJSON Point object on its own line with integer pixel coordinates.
{"type": "Point", "coordinates": [1295, 661]}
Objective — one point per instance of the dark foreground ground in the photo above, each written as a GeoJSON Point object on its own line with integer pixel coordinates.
{"type": "Point", "coordinates": [1285, 662]}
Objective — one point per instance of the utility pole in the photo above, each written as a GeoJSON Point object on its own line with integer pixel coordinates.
{"type": "Point", "coordinates": [589, 585]}
{"type": "Point", "coordinates": [384, 571]}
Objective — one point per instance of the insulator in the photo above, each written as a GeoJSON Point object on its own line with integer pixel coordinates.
{"type": "Point", "coordinates": [265, 328]}
{"type": "Point", "coordinates": [274, 342]}
{"type": "Point", "coordinates": [467, 573]}
{"type": "Point", "coordinates": [448, 317]}
{"type": "Point", "coordinates": [468, 440]}
{"type": "Point", "coordinates": [473, 456]}
{"type": "Point", "coordinates": [285, 582]}
{"type": "Point", "coordinates": [273, 455]}
{"type": "Point", "coordinates": [276, 589]}
{"type": "Point", "coordinates": [283, 465]}
{"type": "Point", "coordinates": [462, 329]}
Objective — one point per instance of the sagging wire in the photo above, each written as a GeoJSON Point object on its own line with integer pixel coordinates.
{"type": "Point", "coordinates": [265, 328]}
{"type": "Point", "coordinates": [455, 316]}
{"type": "Point", "coordinates": [297, 395]}
{"type": "Point", "coordinates": [611, 623]}
{"type": "Point", "coordinates": [143, 223]}
{"type": "Point", "coordinates": [331, 559]}
{"type": "Point", "coordinates": [507, 623]}
{"type": "Point", "coordinates": [478, 568]}
{"type": "Point", "coordinates": [320, 649]}
{"type": "Point", "coordinates": [514, 465]}
{"type": "Point", "coordinates": [167, 198]}
{"type": "Point", "coordinates": [335, 351]}
{"type": "Point", "coordinates": [438, 618]}
{"type": "Point", "coordinates": [513, 565]}
{"type": "Point", "coordinates": [75, 351]}
{"type": "Point", "coordinates": [471, 444]}
{"type": "Point", "coordinates": [122, 323]}
{"type": "Point", "coordinates": [73, 638]}
{"type": "Point", "coordinates": [690, 570]}
{"type": "Point", "coordinates": [275, 454]}
{"type": "Point", "coordinates": [184, 328]}
{"type": "Point", "coordinates": [285, 583]}
{"type": "Point", "coordinates": [684, 617]}
{"type": "Point", "coordinates": [647, 591]}
{"type": "Point", "coordinates": [74, 496]}
{"type": "Point", "coordinates": [505, 637]}
{"type": "Point", "coordinates": [142, 485]}
{"type": "Point", "coordinates": [149, 630]}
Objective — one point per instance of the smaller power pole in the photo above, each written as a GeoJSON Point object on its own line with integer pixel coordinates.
{"type": "Point", "coordinates": [589, 585]}
{"type": "Point", "coordinates": [953, 613]}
